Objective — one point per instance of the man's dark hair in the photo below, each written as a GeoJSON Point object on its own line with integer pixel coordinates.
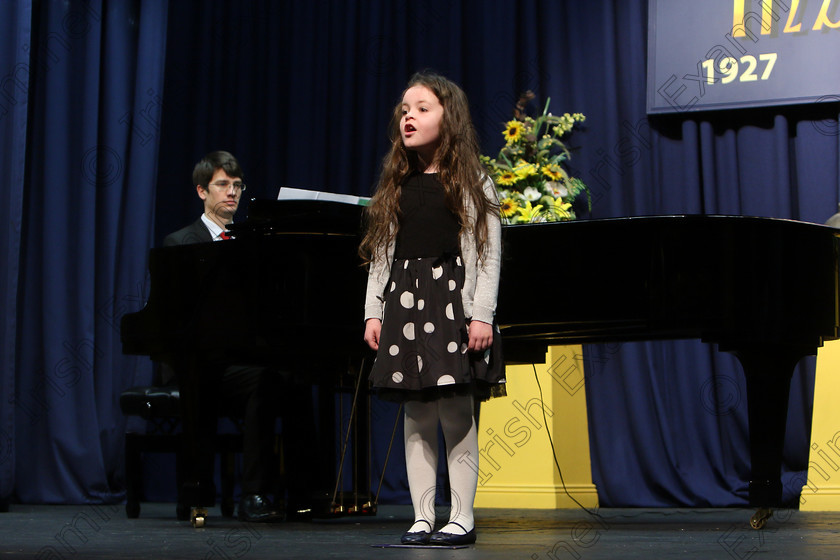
{"type": "Point", "coordinates": [204, 169]}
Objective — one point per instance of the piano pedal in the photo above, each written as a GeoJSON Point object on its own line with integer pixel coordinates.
{"type": "Point", "coordinates": [198, 516]}
{"type": "Point", "coordinates": [337, 510]}
{"type": "Point", "coordinates": [368, 508]}
{"type": "Point", "coordinates": [760, 518]}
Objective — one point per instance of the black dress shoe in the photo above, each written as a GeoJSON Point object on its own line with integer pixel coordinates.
{"type": "Point", "coordinates": [449, 539]}
{"type": "Point", "coordinates": [256, 508]}
{"type": "Point", "coordinates": [418, 537]}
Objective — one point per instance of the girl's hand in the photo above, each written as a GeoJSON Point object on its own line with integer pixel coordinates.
{"type": "Point", "coordinates": [372, 329]}
{"type": "Point", "coordinates": [481, 336]}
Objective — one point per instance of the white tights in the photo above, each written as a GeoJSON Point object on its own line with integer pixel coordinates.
{"type": "Point", "coordinates": [455, 415]}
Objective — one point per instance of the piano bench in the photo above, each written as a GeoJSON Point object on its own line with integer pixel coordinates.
{"type": "Point", "coordinates": [161, 407]}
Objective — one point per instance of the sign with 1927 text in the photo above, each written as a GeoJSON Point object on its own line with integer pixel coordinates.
{"type": "Point", "coordinates": [724, 54]}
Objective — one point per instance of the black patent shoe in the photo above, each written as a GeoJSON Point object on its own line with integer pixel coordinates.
{"type": "Point", "coordinates": [449, 539]}
{"type": "Point", "coordinates": [418, 537]}
{"type": "Point", "coordinates": [256, 508]}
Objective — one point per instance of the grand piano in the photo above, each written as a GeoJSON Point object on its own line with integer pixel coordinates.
{"type": "Point", "coordinates": [286, 292]}
{"type": "Point", "coordinates": [764, 289]}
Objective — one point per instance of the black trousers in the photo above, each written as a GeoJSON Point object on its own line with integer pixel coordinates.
{"type": "Point", "coordinates": [251, 393]}
{"type": "Point", "coordinates": [259, 395]}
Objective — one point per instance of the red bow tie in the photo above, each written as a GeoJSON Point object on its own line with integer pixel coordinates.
{"type": "Point", "coordinates": [225, 235]}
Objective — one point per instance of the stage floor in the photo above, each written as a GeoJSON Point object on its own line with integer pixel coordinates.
{"type": "Point", "coordinates": [105, 532]}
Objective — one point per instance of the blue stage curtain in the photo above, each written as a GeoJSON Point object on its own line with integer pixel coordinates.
{"type": "Point", "coordinates": [95, 94]}
{"type": "Point", "coordinates": [668, 420]}
{"type": "Point", "coordinates": [15, 38]}
{"type": "Point", "coordinates": [302, 93]}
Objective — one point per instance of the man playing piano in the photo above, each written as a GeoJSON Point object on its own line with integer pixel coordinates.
{"type": "Point", "coordinates": [244, 391]}
{"type": "Point", "coordinates": [218, 182]}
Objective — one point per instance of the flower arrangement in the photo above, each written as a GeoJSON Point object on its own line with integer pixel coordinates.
{"type": "Point", "coordinates": [532, 183]}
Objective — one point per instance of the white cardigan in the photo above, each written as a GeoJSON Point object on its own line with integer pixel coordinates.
{"type": "Point", "coordinates": [481, 283]}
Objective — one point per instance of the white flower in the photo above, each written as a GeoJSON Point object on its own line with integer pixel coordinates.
{"type": "Point", "coordinates": [558, 189]}
{"type": "Point", "coordinates": [531, 194]}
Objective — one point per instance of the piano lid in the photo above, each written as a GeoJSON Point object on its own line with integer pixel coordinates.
{"type": "Point", "coordinates": [718, 278]}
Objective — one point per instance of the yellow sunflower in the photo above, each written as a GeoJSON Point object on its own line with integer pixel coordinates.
{"type": "Point", "coordinates": [513, 131]}
{"type": "Point", "coordinates": [508, 207]}
{"type": "Point", "coordinates": [554, 172]}
{"type": "Point", "coordinates": [525, 169]}
{"type": "Point", "coordinates": [507, 178]}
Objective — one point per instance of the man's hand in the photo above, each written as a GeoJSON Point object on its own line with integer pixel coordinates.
{"type": "Point", "coordinates": [372, 329]}
{"type": "Point", "coordinates": [481, 336]}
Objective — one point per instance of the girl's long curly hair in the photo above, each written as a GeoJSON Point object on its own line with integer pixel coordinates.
{"type": "Point", "coordinates": [460, 170]}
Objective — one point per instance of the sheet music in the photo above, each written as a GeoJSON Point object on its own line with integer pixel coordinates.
{"type": "Point", "coordinates": [291, 193]}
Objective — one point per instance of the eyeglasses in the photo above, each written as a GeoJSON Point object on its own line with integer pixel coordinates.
{"type": "Point", "coordinates": [225, 185]}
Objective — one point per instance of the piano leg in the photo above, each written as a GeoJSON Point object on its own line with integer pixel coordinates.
{"type": "Point", "coordinates": [197, 424]}
{"type": "Point", "coordinates": [768, 370]}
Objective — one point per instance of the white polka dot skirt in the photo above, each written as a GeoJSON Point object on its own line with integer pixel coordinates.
{"type": "Point", "coordinates": [423, 351]}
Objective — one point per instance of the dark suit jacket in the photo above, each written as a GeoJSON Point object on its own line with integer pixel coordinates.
{"type": "Point", "coordinates": [196, 232]}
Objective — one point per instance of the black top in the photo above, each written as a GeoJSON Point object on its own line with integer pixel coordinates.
{"type": "Point", "coordinates": [427, 227]}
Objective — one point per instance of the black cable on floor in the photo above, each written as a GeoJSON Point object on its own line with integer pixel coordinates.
{"type": "Point", "coordinates": [554, 452]}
